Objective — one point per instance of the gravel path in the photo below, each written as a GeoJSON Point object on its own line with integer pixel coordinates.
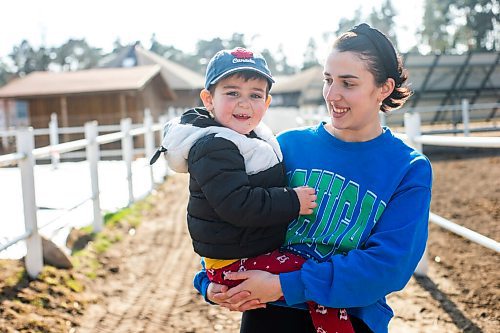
{"type": "Point", "coordinates": [151, 289]}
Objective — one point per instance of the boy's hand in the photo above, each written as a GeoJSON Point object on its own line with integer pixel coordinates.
{"type": "Point", "coordinates": [307, 197]}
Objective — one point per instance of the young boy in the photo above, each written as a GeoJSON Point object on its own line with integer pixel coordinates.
{"type": "Point", "coordinates": [239, 206]}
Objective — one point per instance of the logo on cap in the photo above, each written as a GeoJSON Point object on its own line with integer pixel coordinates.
{"type": "Point", "coordinates": [242, 55]}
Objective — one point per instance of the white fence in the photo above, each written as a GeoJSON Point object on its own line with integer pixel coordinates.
{"type": "Point", "coordinates": [25, 159]}
{"type": "Point", "coordinates": [414, 137]}
{"type": "Point", "coordinates": [26, 155]}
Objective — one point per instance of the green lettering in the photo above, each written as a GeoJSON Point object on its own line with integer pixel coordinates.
{"type": "Point", "coordinates": [380, 210]}
{"type": "Point", "coordinates": [333, 195]}
{"type": "Point", "coordinates": [351, 238]}
{"type": "Point", "coordinates": [321, 189]}
{"type": "Point", "coordinates": [348, 199]}
{"type": "Point", "coordinates": [295, 231]}
{"type": "Point", "coordinates": [298, 178]}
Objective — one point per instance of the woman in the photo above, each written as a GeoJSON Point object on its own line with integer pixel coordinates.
{"type": "Point", "coordinates": [369, 230]}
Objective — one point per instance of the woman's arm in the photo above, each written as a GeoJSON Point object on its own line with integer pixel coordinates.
{"type": "Point", "coordinates": [383, 265]}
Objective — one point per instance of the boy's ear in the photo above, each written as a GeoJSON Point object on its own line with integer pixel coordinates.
{"type": "Point", "coordinates": [268, 101]}
{"type": "Point", "coordinates": [206, 98]}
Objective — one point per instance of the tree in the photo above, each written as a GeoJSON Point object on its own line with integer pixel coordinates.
{"type": "Point", "coordinates": [345, 24]}
{"type": "Point", "coordinates": [117, 46]}
{"type": "Point", "coordinates": [5, 74]}
{"type": "Point", "coordinates": [156, 46]}
{"type": "Point", "coordinates": [271, 63]}
{"type": "Point", "coordinates": [310, 59]}
{"type": "Point", "coordinates": [24, 58]}
{"type": "Point", "coordinates": [461, 25]}
{"type": "Point", "coordinates": [205, 49]}
{"type": "Point", "coordinates": [237, 40]}
{"type": "Point", "coordinates": [76, 54]}
{"type": "Point", "coordinates": [482, 28]}
{"type": "Point", "coordinates": [282, 66]}
{"type": "Point", "coordinates": [166, 51]}
{"type": "Point", "coordinates": [383, 20]}
{"type": "Point", "coordinates": [435, 22]}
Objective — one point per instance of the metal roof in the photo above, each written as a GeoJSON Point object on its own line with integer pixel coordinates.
{"type": "Point", "coordinates": [80, 82]}
{"type": "Point", "coordinates": [436, 80]}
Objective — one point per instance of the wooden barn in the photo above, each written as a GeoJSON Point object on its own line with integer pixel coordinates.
{"type": "Point", "coordinates": [106, 95]}
{"type": "Point", "coordinates": [185, 83]}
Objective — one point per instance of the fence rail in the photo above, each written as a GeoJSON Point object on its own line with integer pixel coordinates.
{"type": "Point", "coordinates": [25, 159]}
{"type": "Point", "coordinates": [26, 156]}
{"type": "Point", "coordinates": [413, 137]}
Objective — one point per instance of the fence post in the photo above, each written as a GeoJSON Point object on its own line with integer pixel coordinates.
{"type": "Point", "coordinates": [382, 118]}
{"type": "Point", "coordinates": [465, 116]}
{"type": "Point", "coordinates": [162, 120]}
{"type": "Point", "coordinates": [127, 153]}
{"type": "Point", "coordinates": [412, 129]}
{"type": "Point", "coordinates": [149, 143]}
{"type": "Point", "coordinates": [171, 112]}
{"type": "Point", "coordinates": [34, 255]}
{"type": "Point", "coordinates": [4, 137]}
{"type": "Point", "coordinates": [92, 151]}
{"type": "Point", "coordinates": [54, 140]}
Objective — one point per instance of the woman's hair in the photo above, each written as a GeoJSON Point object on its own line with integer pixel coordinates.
{"type": "Point", "coordinates": [382, 60]}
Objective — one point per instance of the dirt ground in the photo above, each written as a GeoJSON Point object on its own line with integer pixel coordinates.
{"type": "Point", "coordinates": [147, 286]}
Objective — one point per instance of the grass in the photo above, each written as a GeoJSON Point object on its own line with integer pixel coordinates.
{"type": "Point", "coordinates": [54, 300]}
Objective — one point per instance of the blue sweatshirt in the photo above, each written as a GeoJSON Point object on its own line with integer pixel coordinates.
{"type": "Point", "coordinates": [369, 230]}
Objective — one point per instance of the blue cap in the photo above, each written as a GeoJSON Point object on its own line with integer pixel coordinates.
{"type": "Point", "coordinates": [227, 62]}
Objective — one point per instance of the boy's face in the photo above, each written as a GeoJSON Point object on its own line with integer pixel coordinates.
{"type": "Point", "coordinates": [237, 103]}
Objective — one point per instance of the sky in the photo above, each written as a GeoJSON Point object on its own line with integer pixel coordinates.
{"type": "Point", "coordinates": [181, 23]}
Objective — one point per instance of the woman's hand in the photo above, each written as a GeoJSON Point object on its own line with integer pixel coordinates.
{"type": "Point", "coordinates": [238, 301]}
{"type": "Point", "coordinates": [262, 286]}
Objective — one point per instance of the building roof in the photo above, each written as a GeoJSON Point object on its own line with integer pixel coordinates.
{"type": "Point", "coordinates": [177, 76]}
{"type": "Point", "coordinates": [436, 80]}
{"type": "Point", "coordinates": [81, 82]}
{"type": "Point", "coordinates": [441, 78]}
{"type": "Point", "coordinates": [298, 82]}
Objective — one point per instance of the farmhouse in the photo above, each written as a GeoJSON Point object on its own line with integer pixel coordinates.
{"type": "Point", "coordinates": [105, 95]}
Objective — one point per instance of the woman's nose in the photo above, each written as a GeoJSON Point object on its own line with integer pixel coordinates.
{"type": "Point", "coordinates": [332, 93]}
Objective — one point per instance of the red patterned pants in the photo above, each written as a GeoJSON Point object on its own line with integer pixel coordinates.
{"type": "Point", "coordinates": [325, 320]}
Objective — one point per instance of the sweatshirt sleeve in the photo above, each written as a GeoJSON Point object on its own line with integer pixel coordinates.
{"type": "Point", "coordinates": [383, 264]}
{"type": "Point", "coordinates": [201, 282]}
{"type": "Point", "coordinates": [219, 169]}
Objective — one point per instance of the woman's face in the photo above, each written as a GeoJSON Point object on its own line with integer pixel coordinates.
{"type": "Point", "coordinates": [352, 97]}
